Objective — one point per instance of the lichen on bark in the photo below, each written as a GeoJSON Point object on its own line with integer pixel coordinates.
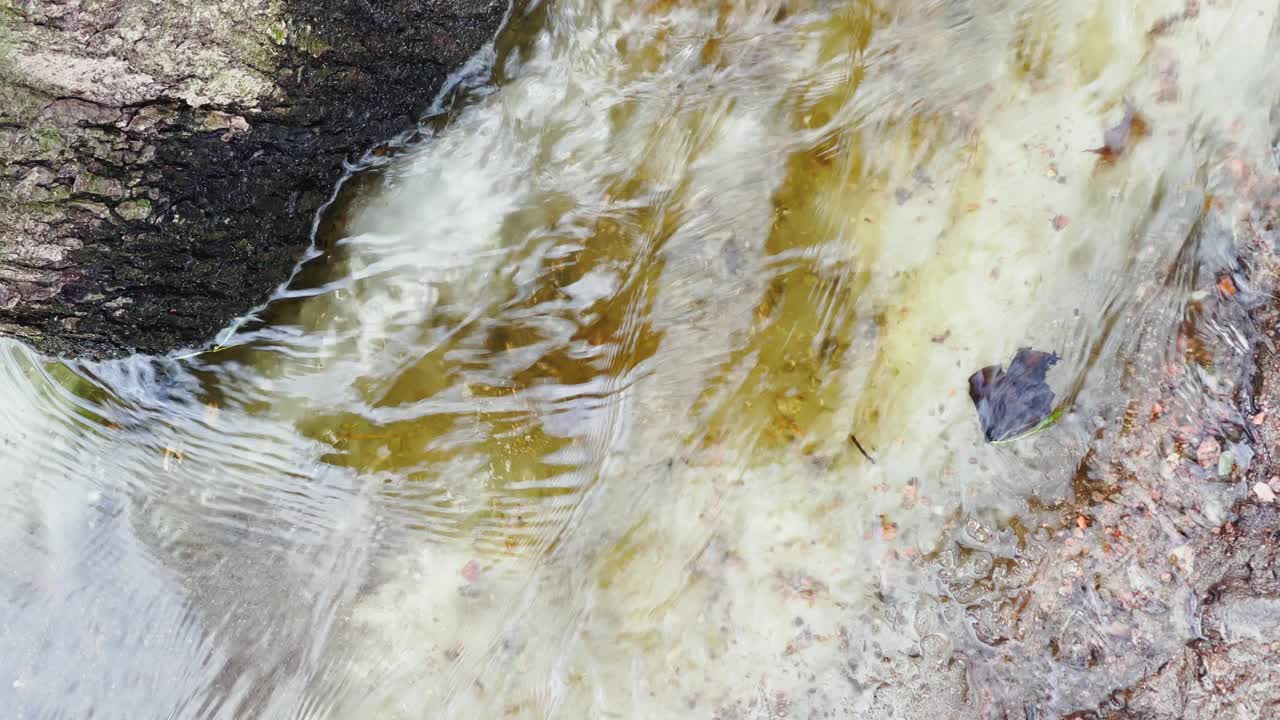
{"type": "Point", "coordinates": [161, 163]}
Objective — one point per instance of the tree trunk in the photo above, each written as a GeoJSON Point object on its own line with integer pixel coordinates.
{"type": "Point", "coordinates": [161, 161]}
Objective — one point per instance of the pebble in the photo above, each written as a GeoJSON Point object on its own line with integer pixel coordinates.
{"type": "Point", "coordinates": [1208, 453]}
{"type": "Point", "coordinates": [1264, 492]}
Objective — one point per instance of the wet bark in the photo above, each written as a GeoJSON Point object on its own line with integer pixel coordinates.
{"type": "Point", "coordinates": [161, 163]}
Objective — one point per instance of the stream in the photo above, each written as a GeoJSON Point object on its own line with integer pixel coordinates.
{"type": "Point", "coordinates": [633, 383]}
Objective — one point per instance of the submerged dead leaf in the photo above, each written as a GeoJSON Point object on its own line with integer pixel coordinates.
{"type": "Point", "coordinates": [1119, 137]}
{"type": "Point", "coordinates": [1013, 403]}
{"type": "Point", "coordinates": [172, 458]}
{"type": "Point", "coordinates": [1190, 11]}
{"type": "Point", "coordinates": [1227, 285]}
{"type": "Point", "coordinates": [211, 412]}
{"type": "Point", "coordinates": [798, 585]}
{"type": "Point", "coordinates": [888, 528]}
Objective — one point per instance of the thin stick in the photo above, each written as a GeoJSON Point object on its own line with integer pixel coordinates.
{"type": "Point", "coordinates": [854, 439]}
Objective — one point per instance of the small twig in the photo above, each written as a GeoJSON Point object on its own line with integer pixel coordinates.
{"type": "Point", "coordinates": [854, 439]}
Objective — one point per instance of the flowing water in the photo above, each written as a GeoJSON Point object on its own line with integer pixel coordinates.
{"type": "Point", "coordinates": [558, 418]}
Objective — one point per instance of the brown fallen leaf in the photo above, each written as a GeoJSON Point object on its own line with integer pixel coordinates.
{"type": "Point", "coordinates": [1227, 285]}
{"type": "Point", "coordinates": [1119, 137]}
{"type": "Point", "coordinates": [211, 411]}
{"type": "Point", "coordinates": [795, 585]}
{"type": "Point", "coordinates": [888, 528]}
{"type": "Point", "coordinates": [1190, 11]}
{"type": "Point", "coordinates": [172, 458]}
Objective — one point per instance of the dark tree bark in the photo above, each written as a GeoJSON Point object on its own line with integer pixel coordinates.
{"type": "Point", "coordinates": [161, 162]}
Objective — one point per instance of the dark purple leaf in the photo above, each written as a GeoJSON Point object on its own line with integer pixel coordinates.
{"type": "Point", "coordinates": [1010, 403]}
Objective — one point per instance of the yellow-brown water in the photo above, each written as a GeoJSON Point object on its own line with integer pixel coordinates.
{"type": "Point", "coordinates": [557, 420]}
